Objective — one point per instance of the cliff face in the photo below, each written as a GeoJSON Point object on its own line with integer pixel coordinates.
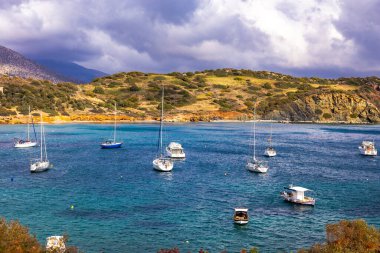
{"type": "Point", "coordinates": [330, 107]}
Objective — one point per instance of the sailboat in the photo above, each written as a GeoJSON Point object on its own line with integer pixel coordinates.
{"type": "Point", "coordinates": [270, 151]}
{"type": "Point", "coordinates": [111, 143]}
{"type": "Point", "coordinates": [162, 163]}
{"type": "Point", "coordinates": [41, 164]}
{"type": "Point", "coordinates": [20, 143]}
{"type": "Point", "coordinates": [254, 164]}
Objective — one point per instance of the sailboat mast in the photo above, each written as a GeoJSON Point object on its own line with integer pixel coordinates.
{"type": "Point", "coordinates": [28, 137]}
{"type": "Point", "coordinates": [254, 133]}
{"type": "Point", "coordinates": [44, 140]}
{"type": "Point", "coordinates": [270, 137]}
{"type": "Point", "coordinates": [114, 126]}
{"type": "Point", "coordinates": [162, 118]}
{"type": "Point", "coordinates": [41, 135]}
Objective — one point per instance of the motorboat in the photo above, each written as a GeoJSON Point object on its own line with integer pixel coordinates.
{"type": "Point", "coordinates": [175, 150]}
{"type": "Point", "coordinates": [296, 195]}
{"type": "Point", "coordinates": [241, 216]}
{"type": "Point", "coordinates": [368, 148]}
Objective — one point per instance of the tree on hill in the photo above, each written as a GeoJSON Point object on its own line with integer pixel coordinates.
{"type": "Point", "coordinates": [15, 238]}
{"type": "Point", "coordinates": [348, 237]}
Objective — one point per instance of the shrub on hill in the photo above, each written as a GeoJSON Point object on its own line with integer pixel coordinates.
{"type": "Point", "coordinates": [285, 85]}
{"type": "Point", "coordinates": [348, 236]}
{"type": "Point", "coordinates": [98, 90]}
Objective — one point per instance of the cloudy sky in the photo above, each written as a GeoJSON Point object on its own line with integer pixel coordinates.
{"type": "Point", "coordinates": [327, 38]}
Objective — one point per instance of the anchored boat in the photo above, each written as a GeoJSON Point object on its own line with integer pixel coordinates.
{"type": "Point", "coordinates": [162, 163]}
{"type": "Point", "coordinates": [175, 150]}
{"type": "Point", "coordinates": [41, 164]}
{"type": "Point", "coordinates": [368, 148]}
{"type": "Point", "coordinates": [20, 143]}
{"type": "Point", "coordinates": [296, 194]}
{"type": "Point", "coordinates": [254, 164]}
{"type": "Point", "coordinates": [270, 151]}
{"type": "Point", "coordinates": [112, 143]}
{"type": "Point", "coordinates": [241, 216]}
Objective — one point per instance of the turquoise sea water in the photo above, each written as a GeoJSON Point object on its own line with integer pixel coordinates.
{"type": "Point", "coordinates": [122, 205]}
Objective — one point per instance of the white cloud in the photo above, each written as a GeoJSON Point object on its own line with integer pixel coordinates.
{"type": "Point", "coordinates": [128, 35]}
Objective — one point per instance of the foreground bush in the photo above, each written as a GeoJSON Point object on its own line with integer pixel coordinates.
{"type": "Point", "coordinates": [15, 238]}
{"type": "Point", "coordinates": [348, 237]}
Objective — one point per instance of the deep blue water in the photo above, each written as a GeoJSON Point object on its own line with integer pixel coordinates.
{"type": "Point", "coordinates": [122, 205]}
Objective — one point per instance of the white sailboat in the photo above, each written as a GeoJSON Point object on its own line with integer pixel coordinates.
{"type": "Point", "coordinates": [20, 143]}
{"type": "Point", "coordinates": [41, 164]}
{"type": "Point", "coordinates": [270, 151]}
{"type": "Point", "coordinates": [112, 143]}
{"type": "Point", "coordinates": [162, 163]}
{"type": "Point", "coordinates": [254, 164]}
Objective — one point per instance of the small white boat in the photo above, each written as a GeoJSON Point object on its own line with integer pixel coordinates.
{"type": "Point", "coordinates": [162, 163]}
{"type": "Point", "coordinates": [28, 143]}
{"type": "Point", "coordinates": [368, 148]}
{"type": "Point", "coordinates": [254, 164]}
{"type": "Point", "coordinates": [41, 164]}
{"type": "Point", "coordinates": [241, 216]}
{"type": "Point", "coordinates": [175, 150]}
{"type": "Point", "coordinates": [270, 151]}
{"type": "Point", "coordinates": [296, 194]}
{"type": "Point", "coordinates": [55, 243]}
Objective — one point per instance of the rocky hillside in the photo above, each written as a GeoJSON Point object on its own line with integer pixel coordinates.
{"type": "Point", "coordinates": [14, 64]}
{"type": "Point", "coordinates": [223, 94]}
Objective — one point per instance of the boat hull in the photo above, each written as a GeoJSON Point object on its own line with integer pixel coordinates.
{"type": "Point", "coordinates": [111, 145]}
{"type": "Point", "coordinates": [27, 144]}
{"type": "Point", "coordinates": [241, 222]}
{"type": "Point", "coordinates": [366, 152]}
{"type": "Point", "coordinates": [256, 168]}
{"type": "Point", "coordinates": [163, 165]}
{"type": "Point", "coordinates": [175, 152]}
{"type": "Point", "coordinates": [174, 155]}
{"type": "Point", "coordinates": [39, 166]}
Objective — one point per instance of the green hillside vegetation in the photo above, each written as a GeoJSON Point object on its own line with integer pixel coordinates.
{"type": "Point", "coordinates": [206, 95]}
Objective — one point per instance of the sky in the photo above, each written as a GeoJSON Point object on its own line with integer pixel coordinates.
{"type": "Point", "coordinates": [326, 38]}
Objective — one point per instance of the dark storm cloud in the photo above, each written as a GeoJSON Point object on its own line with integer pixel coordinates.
{"type": "Point", "coordinates": [360, 22]}
{"type": "Point", "coordinates": [317, 37]}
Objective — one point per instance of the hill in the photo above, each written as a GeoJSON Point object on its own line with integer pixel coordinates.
{"type": "Point", "coordinates": [222, 94]}
{"type": "Point", "coordinates": [73, 71]}
{"type": "Point", "coordinates": [14, 64]}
